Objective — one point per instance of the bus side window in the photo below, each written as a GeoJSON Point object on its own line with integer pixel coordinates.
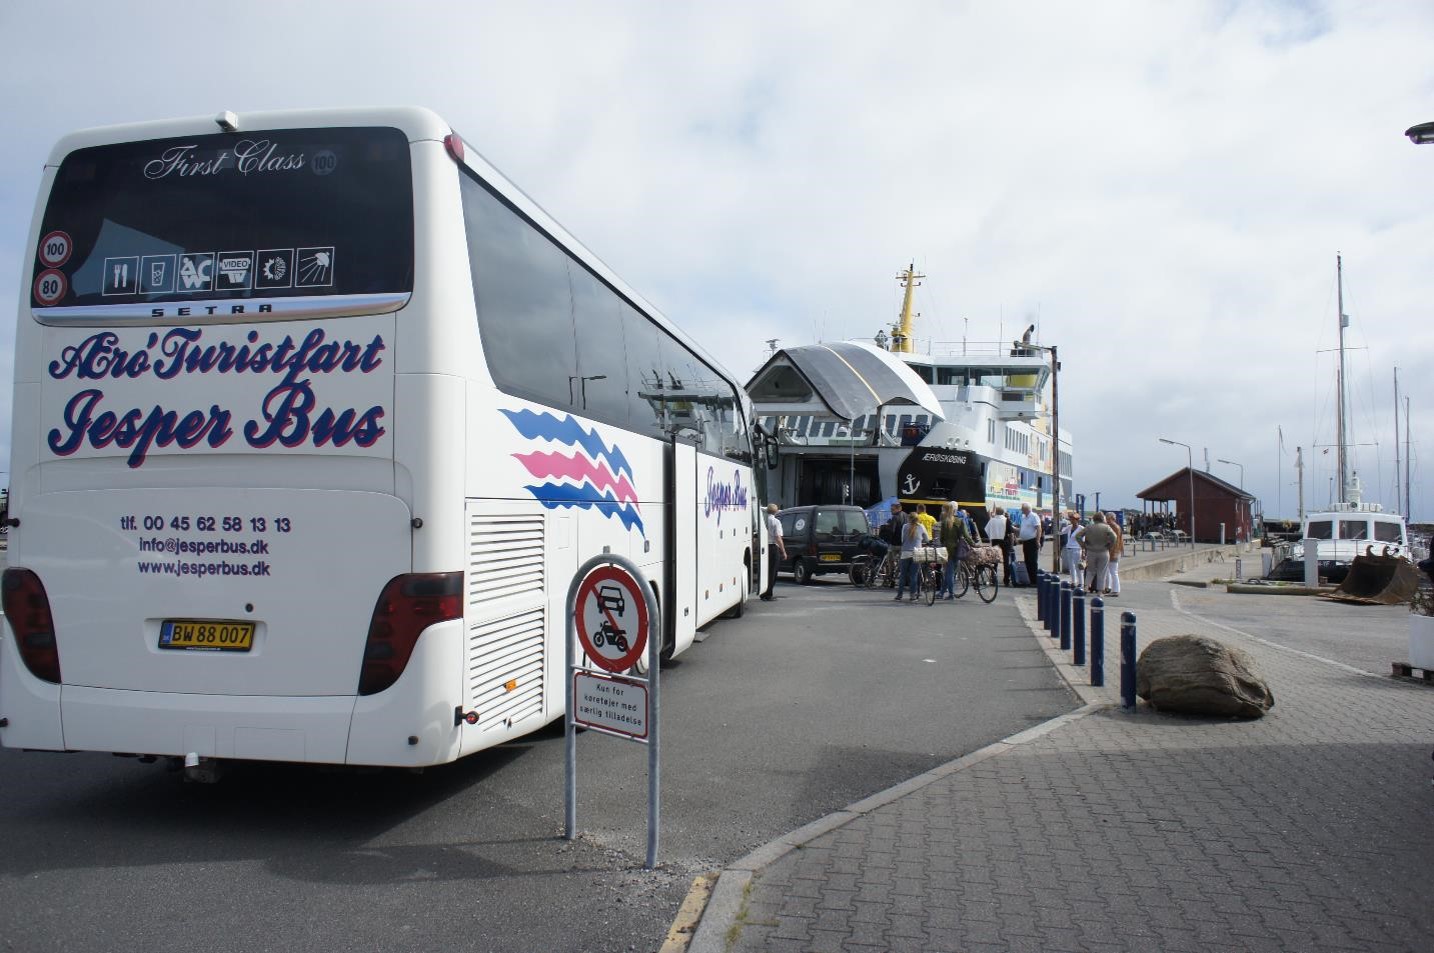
{"type": "Point", "coordinates": [525, 307]}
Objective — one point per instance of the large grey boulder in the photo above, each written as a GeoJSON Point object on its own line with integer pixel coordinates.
{"type": "Point", "coordinates": [1194, 675]}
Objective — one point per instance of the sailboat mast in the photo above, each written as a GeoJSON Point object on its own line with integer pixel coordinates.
{"type": "Point", "coordinates": [1340, 437]}
{"type": "Point", "coordinates": [1408, 452]}
{"type": "Point", "coordinates": [1398, 508]}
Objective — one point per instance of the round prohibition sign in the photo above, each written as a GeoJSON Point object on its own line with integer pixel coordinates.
{"type": "Point", "coordinates": [54, 249]}
{"type": "Point", "coordinates": [50, 286]}
{"type": "Point", "coordinates": [611, 618]}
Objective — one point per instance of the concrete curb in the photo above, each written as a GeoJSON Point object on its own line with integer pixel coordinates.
{"type": "Point", "coordinates": [724, 909]}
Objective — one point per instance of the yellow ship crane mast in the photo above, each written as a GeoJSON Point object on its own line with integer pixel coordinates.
{"type": "Point", "coordinates": [901, 337]}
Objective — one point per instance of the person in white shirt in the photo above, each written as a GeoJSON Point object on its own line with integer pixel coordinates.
{"type": "Point", "coordinates": [776, 550]}
{"type": "Point", "coordinates": [996, 528]}
{"type": "Point", "coordinates": [1030, 534]}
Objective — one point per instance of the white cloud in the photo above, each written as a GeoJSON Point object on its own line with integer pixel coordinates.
{"type": "Point", "coordinates": [1166, 185]}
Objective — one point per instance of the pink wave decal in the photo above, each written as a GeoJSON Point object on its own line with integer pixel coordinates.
{"type": "Point", "coordinates": [578, 469]}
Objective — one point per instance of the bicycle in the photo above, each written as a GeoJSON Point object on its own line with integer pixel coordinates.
{"type": "Point", "coordinates": [928, 575]}
{"type": "Point", "coordinates": [884, 573]}
{"type": "Point", "coordinates": [975, 571]}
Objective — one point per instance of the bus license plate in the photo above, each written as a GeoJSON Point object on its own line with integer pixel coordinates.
{"type": "Point", "coordinates": [831, 557]}
{"type": "Point", "coordinates": [200, 636]}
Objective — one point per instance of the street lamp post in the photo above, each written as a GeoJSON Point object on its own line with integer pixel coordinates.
{"type": "Point", "coordinates": [1240, 504]}
{"type": "Point", "coordinates": [1190, 469]}
{"type": "Point", "coordinates": [1024, 346]}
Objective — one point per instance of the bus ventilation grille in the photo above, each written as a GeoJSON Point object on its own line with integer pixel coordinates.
{"type": "Point", "coordinates": [505, 556]}
{"type": "Point", "coordinates": [505, 669]}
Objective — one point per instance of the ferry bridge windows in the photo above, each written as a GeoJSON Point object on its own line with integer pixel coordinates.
{"type": "Point", "coordinates": [1320, 529]}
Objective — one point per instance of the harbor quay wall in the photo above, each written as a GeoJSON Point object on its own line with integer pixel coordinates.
{"type": "Point", "coordinates": [1170, 563]}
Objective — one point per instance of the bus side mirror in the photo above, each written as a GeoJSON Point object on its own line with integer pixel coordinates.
{"type": "Point", "coordinates": [770, 449]}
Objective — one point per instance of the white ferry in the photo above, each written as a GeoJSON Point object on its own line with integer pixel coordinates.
{"type": "Point", "coordinates": [859, 422]}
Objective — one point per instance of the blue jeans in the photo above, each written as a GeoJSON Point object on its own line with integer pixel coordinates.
{"type": "Point", "coordinates": [948, 579]}
{"type": "Point", "coordinates": [905, 576]}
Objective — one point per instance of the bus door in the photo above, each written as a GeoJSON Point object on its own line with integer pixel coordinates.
{"type": "Point", "coordinates": [681, 605]}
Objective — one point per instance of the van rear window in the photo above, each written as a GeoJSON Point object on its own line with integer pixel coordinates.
{"type": "Point", "coordinates": [285, 213]}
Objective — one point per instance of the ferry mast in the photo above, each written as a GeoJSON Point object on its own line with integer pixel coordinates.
{"type": "Point", "coordinates": [901, 338]}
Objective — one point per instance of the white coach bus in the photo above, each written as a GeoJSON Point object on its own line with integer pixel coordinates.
{"type": "Point", "coordinates": [316, 415]}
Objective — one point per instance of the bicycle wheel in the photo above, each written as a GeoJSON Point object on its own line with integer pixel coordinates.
{"type": "Point", "coordinates": [860, 568]}
{"type": "Point", "coordinates": [985, 579]}
{"type": "Point", "coordinates": [930, 582]}
{"type": "Point", "coordinates": [873, 570]}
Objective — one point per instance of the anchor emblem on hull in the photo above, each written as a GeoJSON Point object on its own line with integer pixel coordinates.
{"type": "Point", "coordinates": [910, 485]}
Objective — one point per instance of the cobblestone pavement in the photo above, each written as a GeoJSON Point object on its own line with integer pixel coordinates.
{"type": "Point", "coordinates": [1309, 829]}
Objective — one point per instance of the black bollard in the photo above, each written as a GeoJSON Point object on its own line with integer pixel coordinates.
{"type": "Point", "coordinates": [1048, 590]}
{"type": "Point", "coordinates": [1097, 641]}
{"type": "Point", "coordinates": [1078, 618]}
{"type": "Point", "coordinates": [1065, 616]}
{"type": "Point", "coordinates": [1127, 660]}
{"type": "Point", "coordinates": [1041, 598]}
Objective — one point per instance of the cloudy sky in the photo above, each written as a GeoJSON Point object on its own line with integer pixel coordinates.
{"type": "Point", "coordinates": [1163, 187]}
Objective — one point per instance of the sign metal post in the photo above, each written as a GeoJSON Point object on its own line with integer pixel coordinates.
{"type": "Point", "coordinates": [613, 614]}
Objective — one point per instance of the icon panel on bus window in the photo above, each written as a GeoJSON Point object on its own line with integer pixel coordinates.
{"type": "Point", "coordinates": [196, 272]}
{"type": "Point", "coordinates": [234, 271]}
{"type": "Point", "coordinates": [274, 268]}
{"type": "Point", "coordinates": [121, 276]}
{"type": "Point", "coordinates": [156, 274]}
{"type": "Point", "coordinates": [314, 267]}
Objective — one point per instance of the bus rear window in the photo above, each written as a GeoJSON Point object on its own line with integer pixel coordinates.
{"type": "Point", "coordinates": [215, 220]}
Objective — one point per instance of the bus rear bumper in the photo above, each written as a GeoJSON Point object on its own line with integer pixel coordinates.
{"type": "Point", "coordinates": [29, 706]}
{"type": "Point", "coordinates": [267, 728]}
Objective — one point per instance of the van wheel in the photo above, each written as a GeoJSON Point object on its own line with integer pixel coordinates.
{"type": "Point", "coordinates": [800, 573]}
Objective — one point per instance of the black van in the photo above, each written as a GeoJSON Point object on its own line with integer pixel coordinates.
{"type": "Point", "coordinates": [821, 539]}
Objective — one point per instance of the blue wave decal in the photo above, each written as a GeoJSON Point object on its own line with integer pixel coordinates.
{"type": "Point", "coordinates": [554, 495]}
{"type": "Point", "coordinates": [599, 484]}
{"type": "Point", "coordinates": [568, 432]}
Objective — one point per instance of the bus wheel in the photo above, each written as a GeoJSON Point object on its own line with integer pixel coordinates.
{"type": "Point", "coordinates": [800, 573]}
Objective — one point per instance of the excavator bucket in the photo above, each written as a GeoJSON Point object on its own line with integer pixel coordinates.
{"type": "Point", "coordinates": [1378, 580]}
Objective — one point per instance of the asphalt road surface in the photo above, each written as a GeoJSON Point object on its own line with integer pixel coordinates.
{"type": "Point", "coordinates": [1364, 637]}
{"type": "Point", "coordinates": [805, 705]}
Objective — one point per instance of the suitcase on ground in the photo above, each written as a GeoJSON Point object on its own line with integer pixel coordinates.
{"type": "Point", "coordinates": [1018, 573]}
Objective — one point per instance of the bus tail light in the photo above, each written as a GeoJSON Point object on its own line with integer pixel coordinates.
{"type": "Point", "coordinates": [28, 609]}
{"type": "Point", "coordinates": [408, 605]}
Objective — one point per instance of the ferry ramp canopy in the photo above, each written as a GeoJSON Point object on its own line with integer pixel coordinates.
{"type": "Point", "coordinates": [844, 380]}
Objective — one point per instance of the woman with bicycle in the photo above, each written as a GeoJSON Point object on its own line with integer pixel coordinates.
{"type": "Point", "coordinates": [956, 537]}
{"type": "Point", "coordinates": [913, 537]}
